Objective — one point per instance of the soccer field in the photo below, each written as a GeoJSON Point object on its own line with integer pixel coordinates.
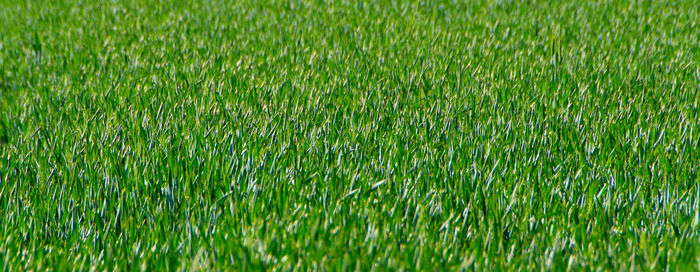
{"type": "Point", "coordinates": [338, 135]}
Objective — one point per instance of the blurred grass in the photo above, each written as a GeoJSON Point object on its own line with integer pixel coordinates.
{"type": "Point", "coordinates": [416, 135]}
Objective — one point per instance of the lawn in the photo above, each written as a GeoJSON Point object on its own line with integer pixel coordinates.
{"type": "Point", "coordinates": [339, 135]}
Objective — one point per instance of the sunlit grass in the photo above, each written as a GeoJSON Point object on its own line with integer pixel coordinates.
{"type": "Point", "coordinates": [417, 135]}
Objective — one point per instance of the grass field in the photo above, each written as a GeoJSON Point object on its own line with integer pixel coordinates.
{"type": "Point", "coordinates": [338, 135]}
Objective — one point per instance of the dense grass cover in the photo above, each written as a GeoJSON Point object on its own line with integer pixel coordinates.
{"type": "Point", "coordinates": [418, 135]}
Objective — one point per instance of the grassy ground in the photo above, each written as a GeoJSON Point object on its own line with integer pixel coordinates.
{"type": "Point", "coordinates": [418, 135]}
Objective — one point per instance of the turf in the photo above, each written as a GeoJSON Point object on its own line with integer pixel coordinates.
{"type": "Point", "coordinates": [338, 135]}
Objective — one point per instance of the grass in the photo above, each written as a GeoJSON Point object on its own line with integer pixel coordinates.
{"type": "Point", "coordinates": [335, 135]}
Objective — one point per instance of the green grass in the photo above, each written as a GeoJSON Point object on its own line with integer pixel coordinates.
{"type": "Point", "coordinates": [312, 135]}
